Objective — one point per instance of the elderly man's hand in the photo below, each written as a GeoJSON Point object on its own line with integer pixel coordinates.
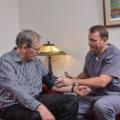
{"type": "Point", "coordinates": [82, 90]}
{"type": "Point", "coordinates": [45, 113]}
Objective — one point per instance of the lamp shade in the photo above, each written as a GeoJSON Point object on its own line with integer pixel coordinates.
{"type": "Point", "coordinates": [49, 49]}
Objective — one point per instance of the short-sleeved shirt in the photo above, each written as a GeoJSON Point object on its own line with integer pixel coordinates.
{"type": "Point", "coordinates": [107, 63]}
{"type": "Point", "coordinates": [20, 82]}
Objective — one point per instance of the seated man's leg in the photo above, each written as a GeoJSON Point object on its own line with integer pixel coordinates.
{"type": "Point", "coordinates": [85, 106]}
{"type": "Point", "coordinates": [107, 107]}
{"type": "Point", "coordinates": [64, 106]}
{"type": "Point", "coordinates": [18, 112]}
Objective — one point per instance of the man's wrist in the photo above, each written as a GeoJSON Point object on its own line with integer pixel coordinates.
{"type": "Point", "coordinates": [74, 85]}
{"type": "Point", "coordinates": [75, 82]}
{"type": "Point", "coordinates": [37, 108]}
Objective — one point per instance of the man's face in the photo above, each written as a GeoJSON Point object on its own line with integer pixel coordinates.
{"type": "Point", "coordinates": [31, 52]}
{"type": "Point", "coordinates": [96, 43]}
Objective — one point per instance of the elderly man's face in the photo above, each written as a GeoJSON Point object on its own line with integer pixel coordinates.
{"type": "Point", "coordinates": [96, 43]}
{"type": "Point", "coordinates": [31, 52]}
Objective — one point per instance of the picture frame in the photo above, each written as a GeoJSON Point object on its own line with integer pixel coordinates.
{"type": "Point", "coordinates": [111, 12]}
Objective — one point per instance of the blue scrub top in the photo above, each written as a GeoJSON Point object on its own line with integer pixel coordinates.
{"type": "Point", "coordinates": [107, 63]}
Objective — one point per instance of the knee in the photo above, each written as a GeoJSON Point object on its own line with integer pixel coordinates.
{"type": "Point", "coordinates": [71, 97]}
{"type": "Point", "coordinates": [101, 108]}
{"type": "Point", "coordinates": [74, 98]}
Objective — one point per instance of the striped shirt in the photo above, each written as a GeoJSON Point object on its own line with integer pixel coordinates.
{"type": "Point", "coordinates": [20, 82]}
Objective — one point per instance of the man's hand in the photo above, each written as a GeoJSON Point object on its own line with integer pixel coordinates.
{"type": "Point", "coordinates": [64, 82]}
{"type": "Point", "coordinates": [45, 113]}
{"type": "Point", "coordinates": [68, 75]}
{"type": "Point", "coordinates": [82, 90]}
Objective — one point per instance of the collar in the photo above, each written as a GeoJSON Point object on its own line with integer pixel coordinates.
{"type": "Point", "coordinates": [14, 55]}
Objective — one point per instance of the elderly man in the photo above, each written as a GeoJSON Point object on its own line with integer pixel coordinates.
{"type": "Point", "coordinates": [21, 77]}
{"type": "Point", "coordinates": [102, 74]}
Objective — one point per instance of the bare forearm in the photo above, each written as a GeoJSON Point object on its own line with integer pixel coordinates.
{"type": "Point", "coordinates": [95, 82]}
{"type": "Point", "coordinates": [91, 82]}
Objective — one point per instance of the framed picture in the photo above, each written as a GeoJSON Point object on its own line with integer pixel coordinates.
{"type": "Point", "coordinates": [111, 12]}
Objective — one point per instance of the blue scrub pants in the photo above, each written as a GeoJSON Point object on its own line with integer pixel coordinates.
{"type": "Point", "coordinates": [103, 107]}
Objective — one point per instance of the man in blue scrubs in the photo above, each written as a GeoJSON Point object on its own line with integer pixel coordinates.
{"type": "Point", "coordinates": [102, 74]}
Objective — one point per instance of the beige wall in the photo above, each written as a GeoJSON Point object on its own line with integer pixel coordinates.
{"type": "Point", "coordinates": [9, 24]}
{"type": "Point", "coordinates": [63, 22]}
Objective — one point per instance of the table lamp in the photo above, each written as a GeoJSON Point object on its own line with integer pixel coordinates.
{"type": "Point", "coordinates": [49, 50]}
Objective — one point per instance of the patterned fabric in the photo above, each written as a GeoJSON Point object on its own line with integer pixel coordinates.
{"type": "Point", "coordinates": [19, 82]}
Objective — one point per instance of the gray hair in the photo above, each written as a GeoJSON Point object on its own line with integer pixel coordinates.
{"type": "Point", "coordinates": [26, 37]}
